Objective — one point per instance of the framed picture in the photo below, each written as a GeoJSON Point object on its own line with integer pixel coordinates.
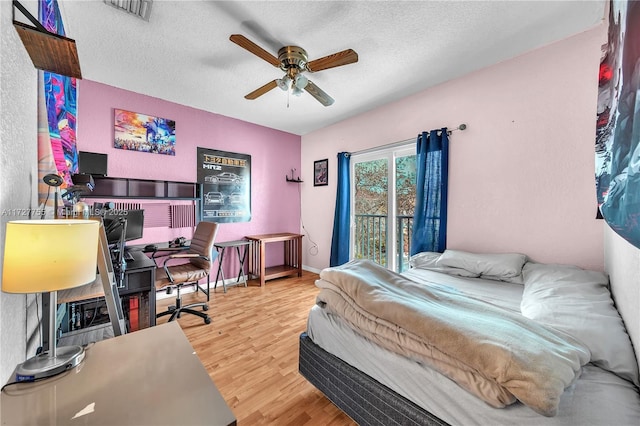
{"type": "Point", "coordinates": [226, 185]}
{"type": "Point", "coordinates": [144, 133]}
{"type": "Point", "coordinates": [321, 172]}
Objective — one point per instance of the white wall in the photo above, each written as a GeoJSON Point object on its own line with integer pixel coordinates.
{"type": "Point", "coordinates": [622, 263]}
{"type": "Point", "coordinates": [18, 162]}
{"type": "Point", "coordinates": [521, 175]}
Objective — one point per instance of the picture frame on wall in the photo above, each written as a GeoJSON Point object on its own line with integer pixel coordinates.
{"type": "Point", "coordinates": [321, 172]}
{"type": "Point", "coordinates": [226, 185]}
{"type": "Point", "coordinates": [144, 133]}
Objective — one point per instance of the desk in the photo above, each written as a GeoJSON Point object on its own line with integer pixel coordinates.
{"type": "Point", "coordinates": [137, 294]}
{"type": "Point", "coordinates": [292, 256]}
{"type": "Point", "coordinates": [163, 250]}
{"type": "Point", "coordinates": [221, 247]}
{"type": "Point", "coordinates": [139, 291]}
{"type": "Point", "coordinates": [151, 377]}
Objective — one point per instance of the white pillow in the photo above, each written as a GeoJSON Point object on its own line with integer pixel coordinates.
{"type": "Point", "coordinates": [428, 260]}
{"type": "Point", "coordinates": [494, 266]}
{"type": "Point", "coordinates": [514, 280]}
{"type": "Point", "coordinates": [578, 302]}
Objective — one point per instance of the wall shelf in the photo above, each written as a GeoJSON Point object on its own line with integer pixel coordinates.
{"type": "Point", "coordinates": [293, 180]}
{"type": "Point", "coordinates": [108, 187]}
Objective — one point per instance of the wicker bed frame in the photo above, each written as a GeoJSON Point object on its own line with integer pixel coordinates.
{"type": "Point", "coordinates": [362, 398]}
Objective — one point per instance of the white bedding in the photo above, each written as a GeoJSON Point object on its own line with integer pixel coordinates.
{"type": "Point", "coordinates": [598, 397]}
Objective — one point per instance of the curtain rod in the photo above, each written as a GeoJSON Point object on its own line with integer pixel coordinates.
{"type": "Point", "coordinates": [400, 143]}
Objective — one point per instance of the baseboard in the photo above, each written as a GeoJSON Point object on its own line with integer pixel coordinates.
{"type": "Point", "coordinates": [310, 269]}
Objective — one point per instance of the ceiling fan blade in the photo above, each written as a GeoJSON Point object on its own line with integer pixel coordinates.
{"type": "Point", "coordinates": [318, 93]}
{"type": "Point", "coordinates": [247, 44]}
{"type": "Point", "coordinates": [345, 57]}
{"type": "Point", "coordinates": [262, 90]}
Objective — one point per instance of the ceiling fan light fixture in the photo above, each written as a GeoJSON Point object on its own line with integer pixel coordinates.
{"type": "Point", "coordinates": [284, 83]}
{"type": "Point", "coordinates": [293, 60]}
{"type": "Point", "coordinates": [301, 82]}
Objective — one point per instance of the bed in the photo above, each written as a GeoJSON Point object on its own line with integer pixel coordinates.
{"type": "Point", "coordinates": [378, 381]}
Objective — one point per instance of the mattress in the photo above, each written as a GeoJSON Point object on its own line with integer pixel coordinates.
{"type": "Point", "coordinates": [597, 398]}
{"type": "Point", "coordinates": [364, 399]}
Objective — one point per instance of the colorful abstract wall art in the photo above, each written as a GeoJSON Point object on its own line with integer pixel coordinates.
{"type": "Point", "coordinates": [57, 152]}
{"type": "Point", "coordinates": [618, 123]}
{"type": "Point", "coordinates": [144, 133]}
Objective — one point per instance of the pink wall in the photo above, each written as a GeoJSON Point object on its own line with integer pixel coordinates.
{"type": "Point", "coordinates": [275, 204]}
{"type": "Point", "coordinates": [521, 175]}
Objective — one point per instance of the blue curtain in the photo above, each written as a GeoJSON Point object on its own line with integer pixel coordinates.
{"type": "Point", "coordinates": [341, 220]}
{"type": "Point", "coordinates": [430, 217]}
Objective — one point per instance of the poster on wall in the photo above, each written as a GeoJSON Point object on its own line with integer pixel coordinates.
{"type": "Point", "coordinates": [226, 185]}
{"type": "Point", "coordinates": [144, 133]}
{"type": "Point", "coordinates": [617, 135]}
{"type": "Point", "coordinates": [57, 94]}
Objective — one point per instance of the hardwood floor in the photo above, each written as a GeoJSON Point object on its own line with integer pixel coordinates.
{"type": "Point", "coordinates": [251, 351]}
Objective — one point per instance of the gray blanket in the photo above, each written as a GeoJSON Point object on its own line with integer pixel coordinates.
{"type": "Point", "coordinates": [498, 355]}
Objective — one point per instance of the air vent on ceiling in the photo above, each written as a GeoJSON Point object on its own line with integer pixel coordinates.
{"type": "Point", "coordinates": [139, 8]}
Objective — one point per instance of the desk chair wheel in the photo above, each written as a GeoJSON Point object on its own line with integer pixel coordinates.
{"type": "Point", "coordinates": [207, 320]}
{"type": "Point", "coordinates": [205, 308]}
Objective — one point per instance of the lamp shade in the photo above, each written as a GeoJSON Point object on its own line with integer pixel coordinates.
{"type": "Point", "coordinates": [49, 255]}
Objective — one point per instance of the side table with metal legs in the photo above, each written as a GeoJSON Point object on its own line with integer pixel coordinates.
{"type": "Point", "coordinates": [242, 256]}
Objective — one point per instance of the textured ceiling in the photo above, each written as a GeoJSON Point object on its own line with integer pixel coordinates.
{"type": "Point", "coordinates": [183, 53]}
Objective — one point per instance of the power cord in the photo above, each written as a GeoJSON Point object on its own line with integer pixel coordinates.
{"type": "Point", "coordinates": [87, 346]}
{"type": "Point", "coordinates": [44, 206]}
{"type": "Point", "coordinates": [28, 381]}
{"type": "Point", "coordinates": [95, 312]}
{"type": "Point", "coordinates": [313, 248]}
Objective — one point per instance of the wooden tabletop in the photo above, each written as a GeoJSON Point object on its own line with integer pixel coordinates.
{"type": "Point", "coordinates": [149, 377]}
{"type": "Point", "coordinates": [280, 236]}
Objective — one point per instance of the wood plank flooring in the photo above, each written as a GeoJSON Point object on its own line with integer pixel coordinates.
{"type": "Point", "coordinates": [251, 351]}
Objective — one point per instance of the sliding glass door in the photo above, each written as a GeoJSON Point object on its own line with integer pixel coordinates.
{"type": "Point", "coordinates": [383, 202]}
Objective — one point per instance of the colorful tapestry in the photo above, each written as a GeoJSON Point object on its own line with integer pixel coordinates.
{"type": "Point", "coordinates": [617, 132]}
{"type": "Point", "coordinates": [57, 152]}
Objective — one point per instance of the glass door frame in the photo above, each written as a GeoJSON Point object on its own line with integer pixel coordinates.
{"type": "Point", "coordinates": [391, 153]}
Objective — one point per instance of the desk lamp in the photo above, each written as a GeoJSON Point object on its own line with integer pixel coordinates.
{"type": "Point", "coordinates": [47, 256]}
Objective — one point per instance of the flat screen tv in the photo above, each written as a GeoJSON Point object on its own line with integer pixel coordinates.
{"type": "Point", "coordinates": [92, 163]}
{"type": "Point", "coordinates": [113, 225]}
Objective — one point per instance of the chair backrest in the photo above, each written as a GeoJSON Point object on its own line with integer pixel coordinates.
{"type": "Point", "coordinates": [202, 243]}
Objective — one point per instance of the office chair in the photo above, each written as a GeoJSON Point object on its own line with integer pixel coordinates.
{"type": "Point", "coordinates": [200, 256]}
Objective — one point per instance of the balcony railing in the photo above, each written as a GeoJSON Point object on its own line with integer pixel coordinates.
{"type": "Point", "coordinates": [403, 247]}
{"type": "Point", "coordinates": [371, 239]}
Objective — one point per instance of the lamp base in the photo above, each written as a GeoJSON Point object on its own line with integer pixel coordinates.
{"type": "Point", "coordinates": [43, 365]}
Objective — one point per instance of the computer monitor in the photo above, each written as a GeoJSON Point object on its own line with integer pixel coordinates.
{"type": "Point", "coordinates": [113, 220]}
{"type": "Point", "coordinates": [92, 163]}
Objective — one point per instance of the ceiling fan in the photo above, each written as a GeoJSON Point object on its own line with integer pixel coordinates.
{"type": "Point", "coordinates": [294, 62]}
